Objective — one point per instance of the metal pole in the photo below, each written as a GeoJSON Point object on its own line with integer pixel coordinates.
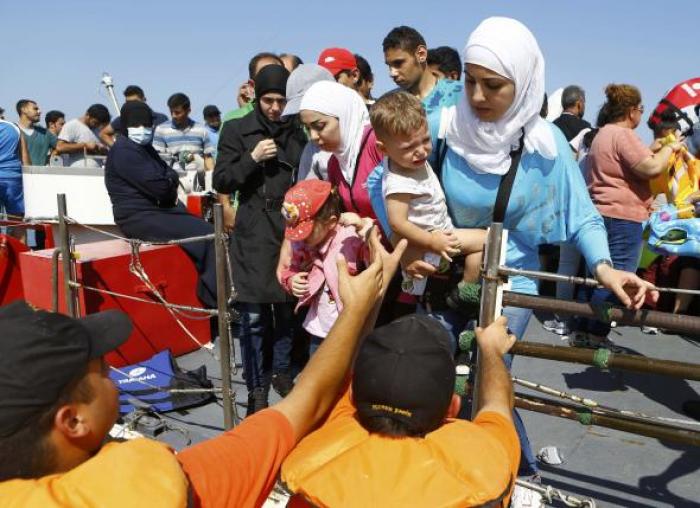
{"type": "Point", "coordinates": [588, 417]}
{"type": "Point", "coordinates": [606, 313]}
{"type": "Point", "coordinates": [66, 257]}
{"type": "Point", "coordinates": [54, 279]}
{"type": "Point", "coordinates": [489, 296]}
{"type": "Point", "coordinates": [605, 359]}
{"type": "Point", "coordinates": [108, 82]}
{"type": "Point", "coordinates": [222, 305]}
{"type": "Point", "coordinates": [582, 281]}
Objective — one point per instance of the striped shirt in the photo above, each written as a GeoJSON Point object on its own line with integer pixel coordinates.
{"type": "Point", "coordinates": [193, 138]}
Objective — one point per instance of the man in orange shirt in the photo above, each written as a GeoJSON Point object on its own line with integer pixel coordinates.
{"type": "Point", "coordinates": [58, 405]}
{"type": "Point", "coordinates": [393, 439]}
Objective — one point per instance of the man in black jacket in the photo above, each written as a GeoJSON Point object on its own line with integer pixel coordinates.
{"type": "Point", "coordinates": [571, 122]}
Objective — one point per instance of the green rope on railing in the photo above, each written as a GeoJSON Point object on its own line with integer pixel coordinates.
{"type": "Point", "coordinates": [466, 340]}
{"type": "Point", "coordinates": [585, 417]}
{"type": "Point", "coordinates": [603, 311]}
{"type": "Point", "coordinates": [601, 358]}
{"type": "Point", "coordinates": [461, 385]}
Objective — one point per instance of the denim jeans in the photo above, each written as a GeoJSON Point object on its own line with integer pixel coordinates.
{"type": "Point", "coordinates": [314, 343]}
{"type": "Point", "coordinates": [517, 323]}
{"type": "Point", "coordinates": [625, 242]}
{"type": "Point", "coordinates": [266, 341]}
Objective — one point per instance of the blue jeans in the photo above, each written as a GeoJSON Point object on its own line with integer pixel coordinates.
{"type": "Point", "coordinates": [314, 343]}
{"type": "Point", "coordinates": [517, 323]}
{"type": "Point", "coordinates": [12, 195]}
{"type": "Point", "coordinates": [625, 242]}
{"type": "Point", "coordinates": [266, 341]}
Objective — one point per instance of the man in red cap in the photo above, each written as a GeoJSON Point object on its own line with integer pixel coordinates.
{"type": "Point", "coordinates": [342, 64]}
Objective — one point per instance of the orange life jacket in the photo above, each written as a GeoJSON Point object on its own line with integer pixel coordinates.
{"type": "Point", "coordinates": [134, 473]}
{"type": "Point", "coordinates": [341, 464]}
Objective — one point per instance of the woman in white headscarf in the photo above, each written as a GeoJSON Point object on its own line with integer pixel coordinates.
{"type": "Point", "coordinates": [549, 203]}
{"type": "Point", "coordinates": [337, 120]}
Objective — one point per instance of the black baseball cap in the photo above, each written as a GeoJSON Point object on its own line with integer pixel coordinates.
{"type": "Point", "coordinates": [210, 110]}
{"type": "Point", "coordinates": [42, 352]}
{"type": "Point", "coordinates": [405, 370]}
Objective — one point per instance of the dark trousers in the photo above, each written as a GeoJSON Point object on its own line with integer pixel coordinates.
{"type": "Point", "coordinates": [625, 243]}
{"type": "Point", "coordinates": [265, 333]}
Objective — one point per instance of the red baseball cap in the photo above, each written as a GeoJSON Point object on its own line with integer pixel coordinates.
{"type": "Point", "coordinates": [301, 203]}
{"type": "Point", "coordinates": [337, 60]}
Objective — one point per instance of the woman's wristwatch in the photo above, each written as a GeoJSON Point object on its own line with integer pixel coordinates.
{"type": "Point", "coordinates": [601, 262]}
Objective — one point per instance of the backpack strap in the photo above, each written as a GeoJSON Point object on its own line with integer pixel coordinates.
{"type": "Point", "coordinates": [506, 185]}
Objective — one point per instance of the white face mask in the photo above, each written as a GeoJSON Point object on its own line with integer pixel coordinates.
{"type": "Point", "coordinates": [140, 135]}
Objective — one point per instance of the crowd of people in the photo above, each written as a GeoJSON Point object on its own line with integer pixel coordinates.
{"type": "Point", "coordinates": [356, 234]}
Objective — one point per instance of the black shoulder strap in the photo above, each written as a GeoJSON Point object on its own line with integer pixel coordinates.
{"type": "Point", "coordinates": [506, 185]}
{"type": "Point", "coordinates": [441, 153]}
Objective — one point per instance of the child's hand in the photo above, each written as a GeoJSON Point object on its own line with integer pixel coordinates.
{"type": "Point", "coordinates": [362, 225]}
{"type": "Point", "coordinates": [349, 219]}
{"type": "Point", "coordinates": [300, 284]}
{"type": "Point", "coordinates": [445, 243]}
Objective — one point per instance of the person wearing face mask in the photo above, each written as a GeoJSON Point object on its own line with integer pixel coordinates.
{"type": "Point", "coordinates": [258, 157]}
{"type": "Point", "coordinates": [143, 191]}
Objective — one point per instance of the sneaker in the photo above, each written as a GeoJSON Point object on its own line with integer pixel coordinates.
{"type": "Point", "coordinates": [583, 340]}
{"type": "Point", "coordinates": [556, 326]}
{"type": "Point", "coordinates": [650, 330]}
{"type": "Point", "coordinates": [282, 383]}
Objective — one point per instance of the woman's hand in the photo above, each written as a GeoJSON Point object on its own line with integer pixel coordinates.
{"type": "Point", "coordinates": [414, 265]}
{"type": "Point", "coordinates": [445, 243]}
{"type": "Point", "coordinates": [229, 218]}
{"type": "Point", "coordinates": [264, 150]}
{"type": "Point", "coordinates": [300, 284]}
{"type": "Point", "coordinates": [630, 289]}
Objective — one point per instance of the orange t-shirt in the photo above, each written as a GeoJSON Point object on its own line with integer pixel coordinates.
{"type": "Point", "coordinates": [312, 462]}
{"type": "Point", "coordinates": [239, 468]}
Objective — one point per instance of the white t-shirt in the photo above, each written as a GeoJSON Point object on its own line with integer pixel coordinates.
{"type": "Point", "coordinates": [75, 131]}
{"type": "Point", "coordinates": [428, 208]}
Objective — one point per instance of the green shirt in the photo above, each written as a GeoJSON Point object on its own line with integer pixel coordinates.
{"type": "Point", "coordinates": [39, 145]}
{"type": "Point", "coordinates": [237, 113]}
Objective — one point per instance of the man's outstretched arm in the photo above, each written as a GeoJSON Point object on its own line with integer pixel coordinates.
{"type": "Point", "coordinates": [239, 467]}
{"type": "Point", "coordinates": [495, 386]}
{"type": "Point", "coordinates": [320, 382]}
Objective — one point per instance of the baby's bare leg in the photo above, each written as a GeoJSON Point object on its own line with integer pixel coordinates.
{"type": "Point", "coordinates": [472, 245]}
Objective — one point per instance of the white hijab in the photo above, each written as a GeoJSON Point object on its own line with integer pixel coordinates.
{"type": "Point", "coordinates": [333, 99]}
{"type": "Point", "coordinates": [507, 47]}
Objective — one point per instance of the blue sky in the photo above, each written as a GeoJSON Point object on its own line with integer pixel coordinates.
{"type": "Point", "coordinates": [202, 48]}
